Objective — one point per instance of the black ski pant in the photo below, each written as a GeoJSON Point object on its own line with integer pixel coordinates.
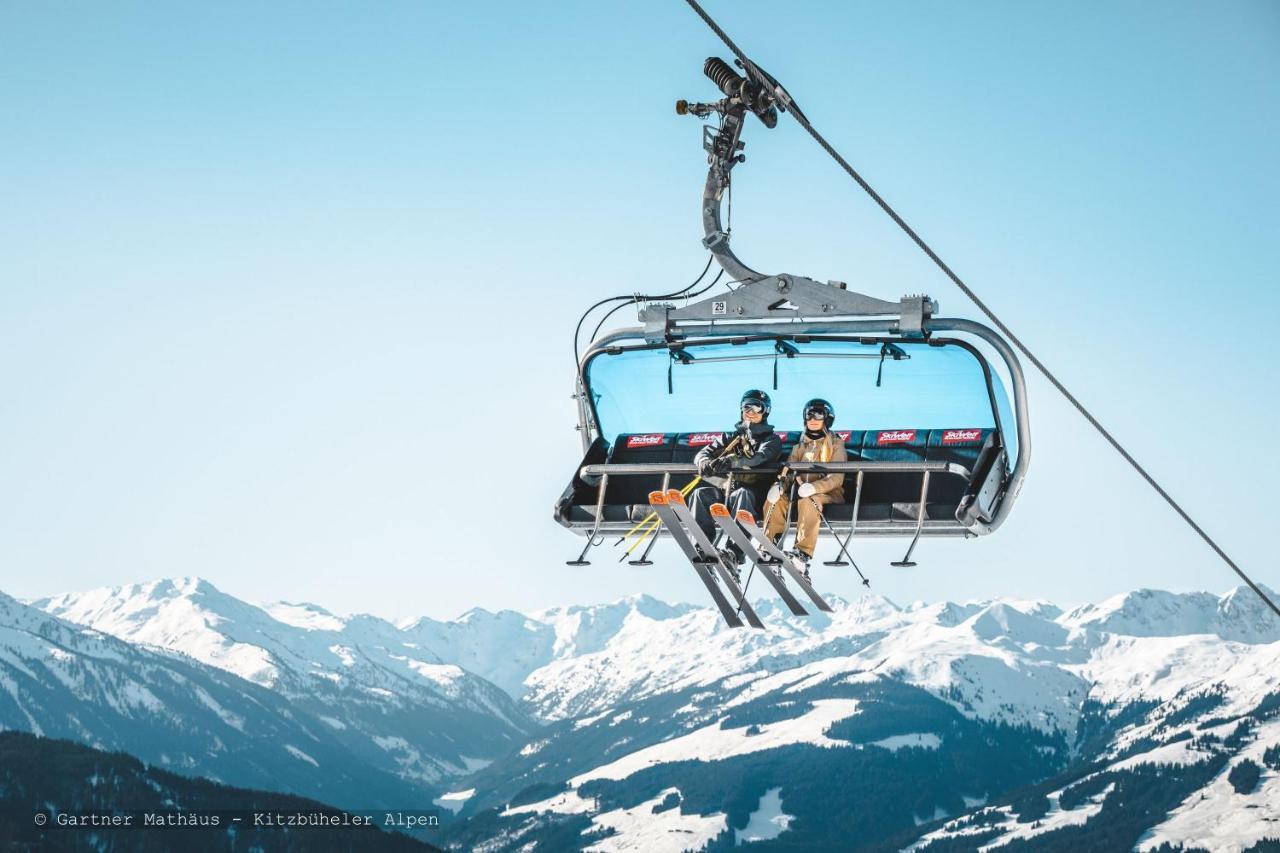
{"type": "Point", "coordinates": [749, 498]}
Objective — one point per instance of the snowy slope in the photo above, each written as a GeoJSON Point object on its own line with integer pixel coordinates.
{"type": "Point", "coordinates": [1223, 818]}
{"type": "Point", "coordinates": [625, 690]}
{"type": "Point", "coordinates": [1239, 615]}
{"type": "Point", "coordinates": [1001, 660]}
{"type": "Point", "coordinates": [1017, 661]}
{"type": "Point", "coordinates": [1126, 684]}
{"type": "Point", "coordinates": [66, 681]}
{"type": "Point", "coordinates": [505, 647]}
{"type": "Point", "coordinates": [387, 697]}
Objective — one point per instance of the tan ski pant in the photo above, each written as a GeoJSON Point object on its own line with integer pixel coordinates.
{"type": "Point", "coordinates": [809, 514]}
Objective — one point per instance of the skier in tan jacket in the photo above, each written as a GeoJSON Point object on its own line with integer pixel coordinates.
{"type": "Point", "coordinates": [813, 491]}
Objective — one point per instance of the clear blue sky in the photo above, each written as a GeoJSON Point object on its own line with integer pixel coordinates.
{"type": "Point", "coordinates": [273, 277]}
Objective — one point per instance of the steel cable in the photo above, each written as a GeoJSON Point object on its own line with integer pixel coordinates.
{"type": "Point", "coordinates": [785, 101]}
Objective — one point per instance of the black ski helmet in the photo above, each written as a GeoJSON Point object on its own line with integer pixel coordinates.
{"type": "Point", "coordinates": [755, 395]}
{"type": "Point", "coordinates": [820, 408]}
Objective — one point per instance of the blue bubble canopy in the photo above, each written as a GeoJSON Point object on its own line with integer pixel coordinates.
{"type": "Point", "coordinates": [934, 446]}
{"type": "Point", "coordinates": [873, 384]}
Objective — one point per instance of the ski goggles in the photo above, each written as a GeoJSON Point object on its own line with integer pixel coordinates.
{"type": "Point", "coordinates": [753, 408]}
{"type": "Point", "coordinates": [816, 414]}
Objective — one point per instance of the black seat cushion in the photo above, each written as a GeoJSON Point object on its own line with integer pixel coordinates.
{"type": "Point", "coordinates": [892, 445]}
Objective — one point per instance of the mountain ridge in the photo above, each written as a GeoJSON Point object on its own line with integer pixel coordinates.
{"type": "Point", "coordinates": [625, 694]}
{"type": "Point", "coordinates": [396, 704]}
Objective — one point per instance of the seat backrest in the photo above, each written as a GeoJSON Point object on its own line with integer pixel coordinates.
{"type": "Point", "coordinates": [958, 446]}
{"type": "Point", "coordinates": [892, 445]}
{"type": "Point", "coordinates": [895, 445]}
{"type": "Point", "coordinates": [689, 443]}
{"type": "Point", "coordinates": [649, 447]}
{"type": "Point", "coordinates": [643, 447]}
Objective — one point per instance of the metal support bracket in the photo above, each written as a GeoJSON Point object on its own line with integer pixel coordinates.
{"type": "Point", "coordinates": [785, 297]}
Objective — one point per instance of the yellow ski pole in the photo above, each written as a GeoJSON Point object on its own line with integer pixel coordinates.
{"type": "Point", "coordinates": [688, 487]}
{"type": "Point", "coordinates": [652, 529]}
{"type": "Point", "coordinates": [651, 520]}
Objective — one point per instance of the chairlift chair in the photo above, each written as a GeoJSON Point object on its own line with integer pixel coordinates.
{"type": "Point", "coordinates": [937, 446]}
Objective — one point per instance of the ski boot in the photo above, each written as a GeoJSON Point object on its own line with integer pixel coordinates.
{"type": "Point", "coordinates": [804, 561]}
{"type": "Point", "coordinates": [733, 555]}
{"type": "Point", "coordinates": [767, 559]}
{"type": "Point", "coordinates": [731, 560]}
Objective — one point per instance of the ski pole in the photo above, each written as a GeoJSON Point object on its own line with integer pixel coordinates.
{"type": "Point", "coordinates": [688, 487]}
{"type": "Point", "coordinates": [652, 523]}
{"type": "Point", "coordinates": [652, 529]}
{"type": "Point", "coordinates": [746, 586]}
{"type": "Point", "coordinates": [782, 478]}
{"type": "Point", "coordinates": [644, 555]}
{"type": "Point", "coordinates": [651, 520]}
{"type": "Point", "coordinates": [791, 504]}
{"type": "Point", "coordinates": [782, 475]}
{"type": "Point", "coordinates": [852, 561]}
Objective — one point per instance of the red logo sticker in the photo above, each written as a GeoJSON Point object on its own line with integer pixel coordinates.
{"type": "Point", "coordinates": [649, 440]}
{"type": "Point", "coordinates": [844, 434]}
{"type": "Point", "coordinates": [782, 436]}
{"type": "Point", "coordinates": [896, 436]}
{"type": "Point", "coordinates": [700, 438]}
{"type": "Point", "coordinates": [953, 436]}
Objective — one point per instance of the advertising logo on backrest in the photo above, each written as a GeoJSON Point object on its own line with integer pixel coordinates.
{"type": "Point", "coordinates": [953, 436]}
{"type": "Point", "coordinates": [653, 439]}
{"type": "Point", "coordinates": [896, 436]}
{"type": "Point", "coordinates": [698, 439]}
{"type": "Point", "coordinates": [845, 434]}
{"type": "Point", "coordinates": [782, 436]}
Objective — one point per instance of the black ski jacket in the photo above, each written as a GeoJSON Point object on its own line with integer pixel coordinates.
{"type": "Point", "coordinates": [760, 445]}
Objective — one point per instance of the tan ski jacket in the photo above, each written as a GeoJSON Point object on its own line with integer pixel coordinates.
{"type": "Point", "coordinates": [829, 448]}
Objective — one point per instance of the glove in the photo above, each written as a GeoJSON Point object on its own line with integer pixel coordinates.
{"type": "Point", "coordinates": [703, 466]}
{"type": "Point", "coordinates": [775, 492]}
{"type": "Point", "coordinates": [719, 466]}
{"type": "Point", "coordinates": [806, 490]}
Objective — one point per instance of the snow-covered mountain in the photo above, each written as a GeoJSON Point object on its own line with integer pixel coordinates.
{"type": "Point", "coordinates": [1094, 697]}
{"type": "Point", "coordinates": [67, 681]}
{"type": "Point", "coordinates": [505, 647]}
{"type": "Point", "coordinates": [934, 726]}
{"type": "Point", "coordinates": [1239, 615]}
{"type": "Point", "coordinates": [389, 699]}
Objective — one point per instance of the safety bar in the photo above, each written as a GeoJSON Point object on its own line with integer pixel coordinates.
{"type": "Point", "coordinates": [600, 475]}
{"type": "Point", "coordinates": [612, 468]}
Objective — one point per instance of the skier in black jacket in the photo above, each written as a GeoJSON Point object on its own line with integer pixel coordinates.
{"type": "Point", "coordinates": [757, 445]}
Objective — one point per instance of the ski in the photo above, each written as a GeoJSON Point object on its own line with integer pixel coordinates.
{"type": "Point", "coordinates": [748, 522]}
{"type": "Point", "coordinates": [658, 500]}
{"type": "Point", "coordinates": [721, 514]}
{"type": "Point", "coordinates": [675, 501]}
